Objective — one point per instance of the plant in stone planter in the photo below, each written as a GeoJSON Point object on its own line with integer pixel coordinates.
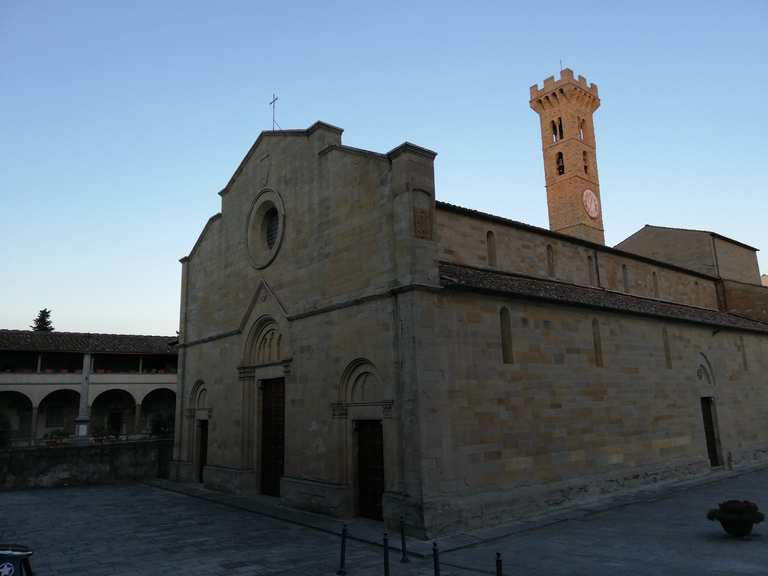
{"type": "Point", "coordinates": [98, 434]}
{"type": "Point", "coordinates": [55, 438]}
{"type": "Point", "coordinates": [737, 516]}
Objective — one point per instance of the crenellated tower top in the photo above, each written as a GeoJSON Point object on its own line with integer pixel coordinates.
{"type": "Point", "coordinates": [565, 109]}
{"type": "Point", "coordinates": [574, 90]}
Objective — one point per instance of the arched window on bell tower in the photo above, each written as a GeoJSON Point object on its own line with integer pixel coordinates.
{"type": "Point", "coordinates": [585, 160]}
{"type": "Point", "coordinates": [554, 131]}
{"type": "Point", "coordinates": [581, 129]}
{"type": "Point", "coordinates": [560, 127]}
{"type": "Point", "coordinates": [560, 163]}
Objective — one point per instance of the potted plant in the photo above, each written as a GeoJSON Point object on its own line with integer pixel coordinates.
{"type": "Point", "coordinates": [737, 516]}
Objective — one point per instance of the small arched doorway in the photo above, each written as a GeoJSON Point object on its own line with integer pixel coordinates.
{"type": "Point", "coordinates": [708, 402]}
{"type": "Point", "coordinates": [15, 418]}
{"type": "Point", "coordinates": [364, 404]}
{"type": "Point", "coordinates": [200, 430]}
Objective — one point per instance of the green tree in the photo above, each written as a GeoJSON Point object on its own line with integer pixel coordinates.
{"type": "Point", "coordinates": [43, 321]}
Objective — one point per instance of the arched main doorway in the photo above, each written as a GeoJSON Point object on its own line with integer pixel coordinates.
{"type": "Point", "coordinates": [265, 349]}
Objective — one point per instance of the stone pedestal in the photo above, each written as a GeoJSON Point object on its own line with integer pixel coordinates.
{"type": "Point", "coordinates": [82, 426]}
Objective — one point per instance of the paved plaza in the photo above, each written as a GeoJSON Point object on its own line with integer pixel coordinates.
{"type": "Point", "coordinates": [140, 529]}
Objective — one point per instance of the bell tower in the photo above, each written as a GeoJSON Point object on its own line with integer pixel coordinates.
{"type": "Point", "coordinates": [565, 108]}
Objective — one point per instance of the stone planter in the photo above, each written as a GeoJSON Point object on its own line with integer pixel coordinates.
{"type": "Point", "coordinates": [737, 517]}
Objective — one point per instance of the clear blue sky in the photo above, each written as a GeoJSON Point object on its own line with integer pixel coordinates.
{"type": "Point", "coordinates": [122, 120]}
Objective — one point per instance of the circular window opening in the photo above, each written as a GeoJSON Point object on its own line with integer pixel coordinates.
{"type": "Point", "coordinates": [270, 226]}
{"type": "Point", "coordinates": [265, 228]}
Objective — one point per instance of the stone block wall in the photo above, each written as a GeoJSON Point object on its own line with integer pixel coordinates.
{"type": "Point", "coordinates": [337, 213]}
{"type": "Point", "coordinates": [464, 240]}
{"type": "Point", "coordinates": [569, 419]}
{"type": "Point", "coordinates": [748, 300]}
{"type": "Point", "coordinates": [45, 467]}
{"type": "Point", "coordinates": [735, 262]}
{"type": "Point", "coordinates": [688, 248]}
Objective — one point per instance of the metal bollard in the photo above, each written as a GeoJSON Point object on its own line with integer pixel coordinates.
{"type": "Point", "coordinates": [386, 554]}
{"type": "Point", "coordinates": [404, 558]}
{"type": "Point", "coordinates": [498, 564]}
{"type": "Point", "coordinates": [436, 558]}
{"type": "Point", "coordinates": [342, 571]}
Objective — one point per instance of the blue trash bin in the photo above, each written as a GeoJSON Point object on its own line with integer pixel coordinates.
{"type": "Point", "coordinates": [14, 560]}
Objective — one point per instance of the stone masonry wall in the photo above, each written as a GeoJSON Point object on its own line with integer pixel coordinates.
{"type": "Point", "coordinates": [462, 239]}
{"type": "Point", "coordinates": [735, 262]}
{"type": "Point", "coordinates": [45, 467]}
{"type": "Point", "coordinates": [748, 300]}
{"type": "Point", "coordinates": [337, 212]}
{"type": "Point", "coordinates": [357, 226]}
{"type": "Point", "coordinates": [688, 248]}
{"type": "Point", "coordinates": [566, 420]}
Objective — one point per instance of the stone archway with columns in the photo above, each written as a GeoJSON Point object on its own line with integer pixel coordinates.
{"type": "Point", "coordinates": [362, 397]}
{"type": "Point", "coordinates": [265, 355]}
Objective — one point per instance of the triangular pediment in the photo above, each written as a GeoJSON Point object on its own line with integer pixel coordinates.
{"type": "Point", "coordinates": [264, 302]}
{"type": "Point", "coordinates": [265, 317]}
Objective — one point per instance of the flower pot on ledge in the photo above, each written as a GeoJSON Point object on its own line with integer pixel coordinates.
{"type": "Point", "coordinates": [737, 517]}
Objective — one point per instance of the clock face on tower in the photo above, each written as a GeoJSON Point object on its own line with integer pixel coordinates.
{"type": "Point", "coordinates": [591, 204]}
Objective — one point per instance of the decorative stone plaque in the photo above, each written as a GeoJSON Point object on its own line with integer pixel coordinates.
{"type": "Point", "coordinates": [422, 224]}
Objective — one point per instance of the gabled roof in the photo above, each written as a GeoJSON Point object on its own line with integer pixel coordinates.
{"type": "Point", "coordinates": [208, 224]}
{"type": "Point", "coordinates": [277, 133]}
{"type": "Point", "coordinates": [710, 233]}
{"type": "Point", "coordinates": [481, 280]}
{"type": "Point", "coordinates": [85, 342]}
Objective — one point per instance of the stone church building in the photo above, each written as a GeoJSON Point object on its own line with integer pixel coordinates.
{"type": "Point", "coordinates": [353, 346]}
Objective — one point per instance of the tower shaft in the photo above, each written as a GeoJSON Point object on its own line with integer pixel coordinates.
{"type": "Point", "coordinates": [565, 109]}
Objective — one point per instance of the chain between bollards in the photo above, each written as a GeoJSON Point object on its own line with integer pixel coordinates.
{"type": "Point", "coordinates": [386, 554]}
{"type": "Point", "coordinates": [404, 558]}
{"type": "Point", "coordinates": [342, 571]}
{"type": "Point", "coordinates": [498, 564]}
{"type": "Point", "coordinates": [436, 558]}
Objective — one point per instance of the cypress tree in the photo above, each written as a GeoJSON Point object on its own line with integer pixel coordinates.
{"type": "Point", "coordinates": [42, 323]}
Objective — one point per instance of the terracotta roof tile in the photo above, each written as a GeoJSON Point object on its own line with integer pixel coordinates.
{"type": "Point", "coordinates": [84, 342]}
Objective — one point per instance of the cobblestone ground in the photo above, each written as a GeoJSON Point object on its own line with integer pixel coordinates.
{"type": "Point", "coordinates": [143, 530]}
{"type": "Point", "coordinates": [665, 534]}
{"type": "Point", "coordinates": [137, 530]}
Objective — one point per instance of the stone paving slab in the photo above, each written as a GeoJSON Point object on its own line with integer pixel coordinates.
{"type": "Point", "coordinates": [139, 529]}
{"type": "Point", "coordinates": [665, 534]}
{"type": "Point", "coordinates": [365, 530]}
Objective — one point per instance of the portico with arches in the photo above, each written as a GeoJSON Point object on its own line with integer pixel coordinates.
{"type": "Point", "coordinates": [77, 386]}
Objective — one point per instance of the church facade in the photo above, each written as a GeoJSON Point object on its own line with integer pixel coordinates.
{"type": "Point", "coordinates": [353, 346]}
